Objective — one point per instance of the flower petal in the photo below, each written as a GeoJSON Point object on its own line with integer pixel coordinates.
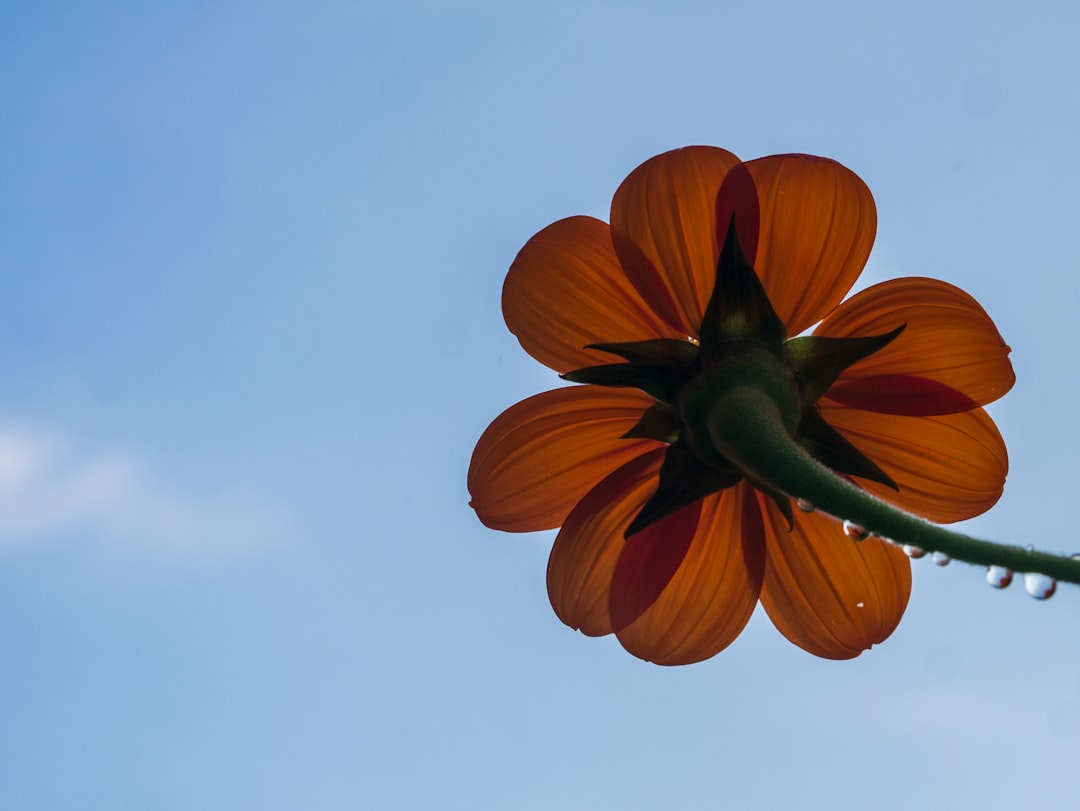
{"type": "Point", "coordinates": [948, 468]}
{"type": "Point", "coordinates": [710, 598]}
{"type": "Point", "coordinates": [949, 358]}
{"type": "Point", "coordinates": [588, 545]}
{"type": "Point", "coordinates": [818, 222]}
{"type": "Point", "coordinates": [829, 595]}
{"type": "Point", "coordinates": [566, 290]}
{"type": "Point", "coordinates": [663, 225]}
{"type": "Point", "coordinates": [648, 561]}
{"type": "Point", "coordinates": [541, 456]}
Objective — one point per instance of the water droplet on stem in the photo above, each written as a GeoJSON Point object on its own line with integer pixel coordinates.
{"type": "Point", "coordinates": [941, 559]}
{"type": "Point", "coordinates": [804, 505]}
{"type": "Point", "coordinates": [999, 577]}
{"type": "Point", "coordinates": [913, 552]}
{"type": "Point", "coordinates": [1039, 586]}
{"type": "Point", "coordinates": [855, 532]}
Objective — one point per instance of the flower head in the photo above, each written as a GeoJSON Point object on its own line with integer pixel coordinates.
{"type": "Point", "coordinates": [708, 261]}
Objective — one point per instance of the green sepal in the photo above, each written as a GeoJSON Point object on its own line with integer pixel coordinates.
{"type": "Point", "coordinates": [662, 382]}
{"type": "Point", "coordinates": [684, 479]}
{"type": "Point", "coordinates": [781, 499]}
{"type": "Point", "coordinates": [670, 352]}
{"type": "Point", "coordinates": [819, 359]}
{"type": "Point", "coordinates": [739, 308]}
{"type": "Point", "coordinates": [658, 422]}
{"type": "Point", "coordinates": [833, 450]}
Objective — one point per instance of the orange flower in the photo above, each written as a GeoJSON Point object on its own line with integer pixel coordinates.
{"type": "Point", "coordinates": [907, 412]}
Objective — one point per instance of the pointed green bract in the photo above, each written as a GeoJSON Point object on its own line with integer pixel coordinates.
{"type": "Point", "coordinates": [781, 499]}
{"type": "Point", "coordinates": [669, 352]}
{"type": "Point", "coordinates": [819, 359]}
{"type": "Point", "coordinates": [662, 382]}
{"type": "Point", "coordinates": [659, 422]}
{"type": "Point", "coordinates": [833, 450]}
{"type": "Point", "coordinates": [684, 479]}
{"type": "Point", "coordinates": [739, 308]}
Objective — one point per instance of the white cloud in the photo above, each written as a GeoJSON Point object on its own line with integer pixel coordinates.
{"type": "Point", "coordinates": [51, 489]}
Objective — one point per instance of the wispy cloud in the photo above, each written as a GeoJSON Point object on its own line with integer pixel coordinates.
{"type": "Point", "coordinates": [51, 489]}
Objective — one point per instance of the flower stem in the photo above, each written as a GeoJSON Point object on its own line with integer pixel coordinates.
{"type": "Point", "coordinates": [745, 425]}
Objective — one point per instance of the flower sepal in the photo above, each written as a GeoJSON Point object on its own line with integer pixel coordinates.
{"type": "Point", "coordinates": [670, 352]}
{"type": "Point", "coordinates": [820, 360]}
{"type": "Point", "coordinates": [739, 308]}
{"type": "Point", "coordinates": [662, 382]}
{"type": "Point", "coordinates": [684, 480]}
{"type": "Point", "coordinates": [833, 450]}
{"type": "Point", "coordinates": [659, 422]}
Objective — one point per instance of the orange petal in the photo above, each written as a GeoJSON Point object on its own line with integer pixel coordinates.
{"type": "Point", "coordinates": [948, 468]}
{"type": "Point", "coordinates": [826, 593]}
{"type": "Point", "coordinates": [583, 558]}
{"type": "Point", "coordinates": [663, 223]}
{"type": "Point", "coordinates": [712, 595]}
{"type": "Point", "coordinates": [949, 358]}
{"type": "Point", "coordinates": [648, 561]}
{"type": "Point", "coordinates": [818, 222]}
{"type": "Point", "coordinates": [541, 456]}
{"type": "Point", "coordinates": [566, 290]}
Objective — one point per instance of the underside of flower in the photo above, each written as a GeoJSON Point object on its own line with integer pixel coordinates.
{"type": "Point", "coordinates": [706, 408]}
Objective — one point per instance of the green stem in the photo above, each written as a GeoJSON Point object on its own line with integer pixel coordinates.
{"type": "Point", "coordinates": [746, 425]}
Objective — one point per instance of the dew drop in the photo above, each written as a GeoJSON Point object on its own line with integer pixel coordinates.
{"type": "Point", "coordinates": [855, 532]}
{"type": "Point", "coordinates": [1039, 586]}
{"type": "Point", "coordinates": [804, 505]}
{"type": "Point", "coordinates": [941, 559]}
{"type": "Point", "coordinates": [999, 577]}
{"type": "Point", "coordinates": [860, 604]}
{"type": "Point", "coordinates": [913, 552]}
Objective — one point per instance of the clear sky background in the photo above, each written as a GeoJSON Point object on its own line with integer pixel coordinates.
{"type": "Point", "coordinates": [251, 257]}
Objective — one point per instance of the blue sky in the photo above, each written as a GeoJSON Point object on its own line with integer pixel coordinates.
{"type": "Point", "coordinates": [250, 331]}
